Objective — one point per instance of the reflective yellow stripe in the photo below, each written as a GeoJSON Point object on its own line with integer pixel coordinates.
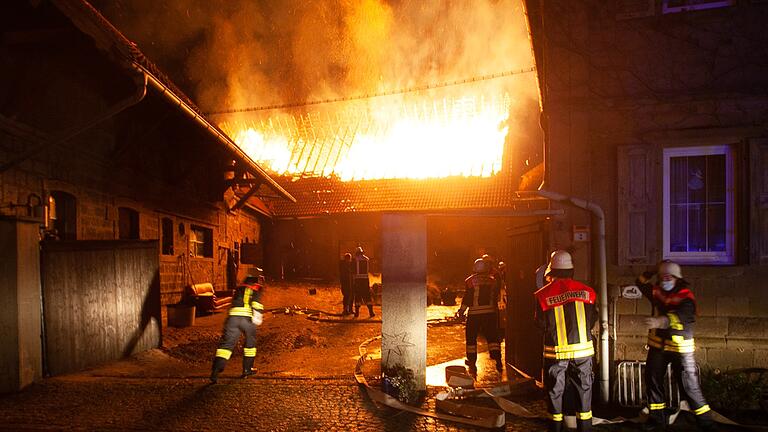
{"type": "Point", "coordinates": [679, 345]}
{"type": "Point", "coordinates": [701, 410]}
{"type": "Point", "coordinates": [655, 341]}
{"type": "Point", "coordinates": [581, 321]}
{"type": "Point", "coordinates": [569, 347]}
{"type": "Point", "coordinates": [479, 310]}
{"type": "Point", "coordinates": [241, 311]}
{"type": "Point", "coordinates": [562, 335]}
{"type": "Point", "coordinates": [657, 406]}
{"type": "Point", "coordinates": [249, 352]}
{"type": "Point", "coordinates": [247, 296]}
{"type": "Point", "coordinates": [223, 353]}
{"type": "Point", "coordinates": [472, 348]}
{"type": "Point", "coordinates": [674, 322]}
{"type": "Point", "coordinates": [556, 417]}
{"type": "Point", "coordinates": [493, 346]}
{"type": "Point", "coordinates": [570, 355]}
{"type": "Point", "coordinates": [256, 305]}
{"type": "Point", "coordinates": [585, 415]}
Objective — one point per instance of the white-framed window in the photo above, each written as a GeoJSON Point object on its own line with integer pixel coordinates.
{"type": "Point", "coordinates": [699, 215]}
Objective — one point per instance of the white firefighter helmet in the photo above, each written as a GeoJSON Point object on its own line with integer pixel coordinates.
{"type": "Point", "coordinates": [670, 268]}
{"type": "Point", "coordinates": [481, 266]}
{"type": "Point", "coordinates": [559, 260]}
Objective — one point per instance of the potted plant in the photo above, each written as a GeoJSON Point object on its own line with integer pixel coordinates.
{"type": "Point", "coordinates": [398, 382]}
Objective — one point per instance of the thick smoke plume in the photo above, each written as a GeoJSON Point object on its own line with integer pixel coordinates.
{"type": "Point", "coordinates": [230, 54]}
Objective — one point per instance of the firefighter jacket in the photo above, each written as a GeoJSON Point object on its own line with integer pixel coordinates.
{"type": "Point", "coordinates": [481, 294]}
{"type": "Point", "coordinates": [679, 305]}
{"type": "Point", "coordinates": [566, 312]}
{"type": "Point", "coordinates": [360, 267]}
{"type": "Point", "coordinates": [246, 300]}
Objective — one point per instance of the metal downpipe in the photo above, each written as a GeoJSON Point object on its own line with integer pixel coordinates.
{"type": "Point", "coordinates": [602, 283]}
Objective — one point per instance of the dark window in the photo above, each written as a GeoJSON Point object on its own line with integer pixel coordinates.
{"type": "Point", "coordinates": [167, 239]}
{"type": "Point", "coordinates": [63, 214]}
{"type": "Point", "coordinates": [201, 242]}
{"type": "Point", "coordinates": [128, 223]}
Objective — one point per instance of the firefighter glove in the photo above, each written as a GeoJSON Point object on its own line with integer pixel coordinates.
{"type": "Point", "coordinates": [659, 322]}
{"type": "Point", "coordinates": [257, 318]}
{"type": "Point", "coordinates": [646, 277]}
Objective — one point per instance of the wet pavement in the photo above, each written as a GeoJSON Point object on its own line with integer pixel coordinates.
{"type": "Point", "coordinates": [95, 402]}
{"type": "Point", "coordinates": [301, 387]}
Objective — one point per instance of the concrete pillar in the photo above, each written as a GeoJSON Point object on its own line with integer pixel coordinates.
{"type": "Point", "coordinates": [404, 294]}
{"type": "Point", "coordinates": [20, 316]}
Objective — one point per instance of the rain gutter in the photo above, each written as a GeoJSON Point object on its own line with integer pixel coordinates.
{"type": "Point", "coordinates": [602, 282]}
{"type": "Point", "coordinates": [202, 121]}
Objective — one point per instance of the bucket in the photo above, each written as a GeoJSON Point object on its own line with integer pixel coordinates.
{"type": "Point", "coordinates": [457, 376]}
{"type": "Point", "coordinates": [181, 315]}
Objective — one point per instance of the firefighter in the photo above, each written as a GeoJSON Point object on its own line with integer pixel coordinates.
{"type": "Point", "coordinates": [245, 314]}
{"type": "Point", "coordinates": [670, 340]}
{"type": "Point", "coordinates": [566, 313]}
{"type": "Point", "coordinates": [480, 303]}
{"type": "Point", "coordinates": [361, 284]}
{"type": "Point", "coordinates": [345, 280]}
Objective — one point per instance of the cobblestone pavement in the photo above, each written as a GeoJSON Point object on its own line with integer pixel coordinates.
{"type": "Point", "coordinates": [89, 403]}
{"type": "Point", "coordinates": [79, 402]}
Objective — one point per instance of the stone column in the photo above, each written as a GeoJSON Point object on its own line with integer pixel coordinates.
{"type": "Point", "coordinates": [404, 294]}
{"type": "Point", "coordinates": [20, 303]}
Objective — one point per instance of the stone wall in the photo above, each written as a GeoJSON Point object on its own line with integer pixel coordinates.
{"type": "Point", "coordinates": [665, 80]}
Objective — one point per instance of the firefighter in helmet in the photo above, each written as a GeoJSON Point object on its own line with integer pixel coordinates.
{"type": "Point", "coordinates": [566, 313]}
{"type": "Point", "coordinates": [245, 314]}
{"type": "Point", "coordinates": [361, 284]}
{"type": "Point", "coordinates": [481, 296]}
{"type": "Point", "coordinates": [670, 340]}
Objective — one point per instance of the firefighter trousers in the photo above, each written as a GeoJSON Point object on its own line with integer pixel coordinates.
{"type": "Point", "coordinates": [363, 295]}
{"type": "Point", "coordinates": [487, 325]}
{"type": "Point", "coordinates": [557, 375]}
{"type": "Point", "coordinates": [233, 327]}
{"type": "Point", "coordinates": [687, 377]}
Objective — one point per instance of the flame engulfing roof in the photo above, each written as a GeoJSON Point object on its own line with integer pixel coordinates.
{"type": "Point", "coordinates": [322, 196]}
{"type": "Point", "coordinates": [431, 138]}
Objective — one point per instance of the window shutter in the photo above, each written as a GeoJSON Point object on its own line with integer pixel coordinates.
{"type": "Point", "coordinates": [638, 202]}
{"type": "Point", "coordinates": [759, 201]}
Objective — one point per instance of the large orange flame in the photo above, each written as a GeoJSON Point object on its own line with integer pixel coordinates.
{"type": "Point", "coordinates": [451, 137]}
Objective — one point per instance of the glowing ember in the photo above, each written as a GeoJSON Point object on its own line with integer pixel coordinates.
{"type": "Point", "coordinates": [457, 137]}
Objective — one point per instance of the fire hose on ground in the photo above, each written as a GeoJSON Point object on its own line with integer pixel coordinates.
{"type": "Point", "coordinates": [454, 410]}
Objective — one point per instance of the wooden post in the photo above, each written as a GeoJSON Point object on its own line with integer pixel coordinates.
{"type": "Point", "coordinates": [404, 294]}
{"type": "Point", "coordinates": [20, 328]}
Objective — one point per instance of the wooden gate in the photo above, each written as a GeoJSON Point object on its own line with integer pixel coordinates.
{"type": "Point", "coordinates": [101, 301]}
{"type": "Point", "coordinates": [523, 339]}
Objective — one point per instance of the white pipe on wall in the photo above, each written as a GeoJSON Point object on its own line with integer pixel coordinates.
{"type": "Point", "coordinates": [602, 283]}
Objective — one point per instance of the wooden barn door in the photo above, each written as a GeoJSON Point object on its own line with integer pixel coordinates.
{"type": "Point", "coordinates": [523, 339]}
{"type": "Point", "coordinates": [101, 301]}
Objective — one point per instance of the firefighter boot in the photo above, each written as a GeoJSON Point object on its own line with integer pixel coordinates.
{"type": "Point", "coordinates": [706, 422]}
{"type": "Point", "coordinates": [657, 421]}
{"type": "Point", "coordinates": [357, 311]}
{"type": "Point", "coordinates": [217, 368]}
{"type": "Point", "coordinates": [584, 425]}
{"type": "Point", "coordinates": [472, 367]}
{"type": "Point", "coordinates": [555, 426]}
{"type": "Point", "coordinates": [370, 311]}
{"type": "Point", "coordinates": [247, 367]}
